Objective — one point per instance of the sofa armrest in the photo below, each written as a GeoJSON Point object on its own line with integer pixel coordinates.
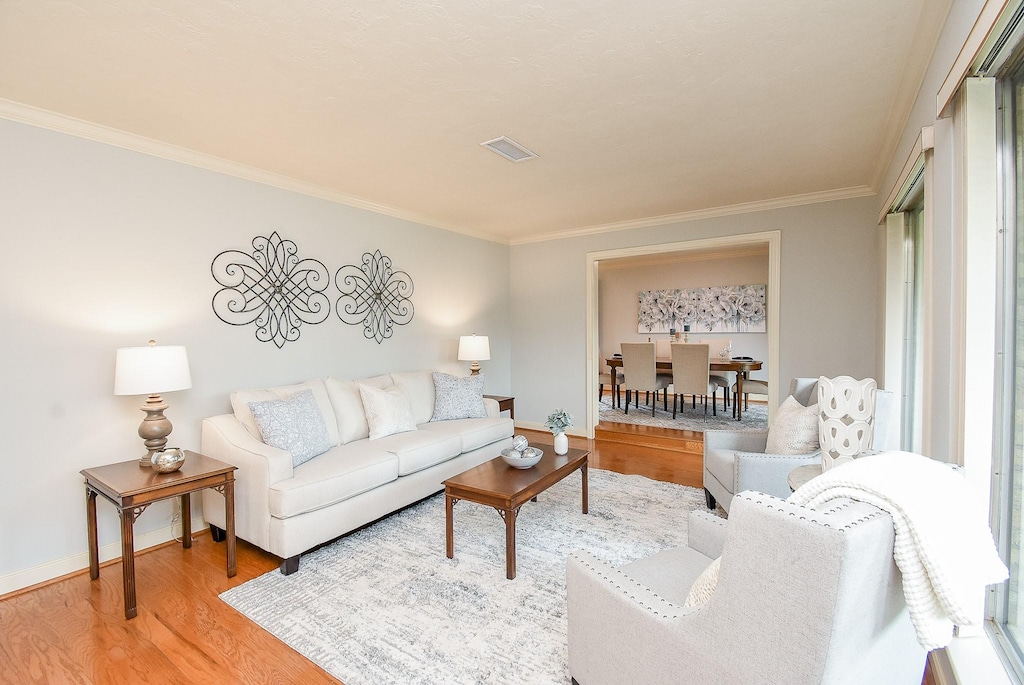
{"type": "Point", "coordinates": [225, 438]}
{"type": "Point", "coordinates": [492, 408]}
{"type": "Point", "coordinates": [259, 467]}
{"type": "Point", "coordinates": [769, 473]}
{"type": "Point", "coordinates": [706, 533]}
{"type": "Point", "coordinates": [747, 441]}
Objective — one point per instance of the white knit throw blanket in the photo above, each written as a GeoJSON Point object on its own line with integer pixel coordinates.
{"type": "Point", "coordinates": [943, 545]}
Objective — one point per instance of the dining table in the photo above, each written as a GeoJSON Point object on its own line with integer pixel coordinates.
{"type": "Point", "coordinates": [741, 367]}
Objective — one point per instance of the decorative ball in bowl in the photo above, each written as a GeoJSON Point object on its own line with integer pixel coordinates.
{"type": "Point", "coordinates": [168, 460]}
{"type": "Point", "coordinates": [522, 460]}
{"type": "Point", "coordinates": [520, 443]}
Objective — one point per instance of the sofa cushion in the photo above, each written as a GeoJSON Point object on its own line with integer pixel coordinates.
{"type": "Point", "coordinates": [347, 406]}
{"type": "Point", "coordinates": [336, 475]}
{"type": "Point", "coordinates": [473, 433]}
{"type": "Point", "coordinates": [388, 410]}
{"type": "Point", "coordinates": [458, 398]}
{"type": "Point", "coordinates": [420, 386]}
{"type": "Point", "coordinates": [240, 400]}
{"type": "Point", "coordinates": [418, 450]}
{"type": "Point", "coordinates": [294, 425]}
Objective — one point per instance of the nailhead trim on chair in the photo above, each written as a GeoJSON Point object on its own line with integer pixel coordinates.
{"type": "Point", "coordinates": [627, 580]}
{"type": "Point", "coordinates": [817, 516]}
{"type": "Point", "coordinates": [712, 518]}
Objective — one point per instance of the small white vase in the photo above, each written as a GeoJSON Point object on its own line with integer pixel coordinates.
{"type": "Point", "coordinates": [561, 443]}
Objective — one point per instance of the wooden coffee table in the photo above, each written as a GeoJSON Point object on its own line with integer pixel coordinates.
{"type": "Point", "coordinates": [496, 484]}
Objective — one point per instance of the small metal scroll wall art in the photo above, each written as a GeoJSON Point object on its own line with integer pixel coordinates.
{"type": "Point", "coordinates": [275, 290]}
{"type": "Point", "coordinates": [272, 288]}
{"type": "Point", "coordinates": [375, 296]}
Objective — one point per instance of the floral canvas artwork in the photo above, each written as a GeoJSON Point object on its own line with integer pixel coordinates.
{"type": "Point", "coordinates": [717, 309]}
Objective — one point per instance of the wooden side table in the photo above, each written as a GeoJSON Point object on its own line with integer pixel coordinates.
{"type": "Point", "coordinates": [505, 403]}
{"type": "Point", "coordinates": [131, 488]}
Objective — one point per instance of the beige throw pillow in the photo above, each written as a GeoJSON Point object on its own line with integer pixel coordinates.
{"type": "Point", "coordinates": [704, 586]}
{"type": "Point", "coordinates": [794, 429]}
{"type": "Point", "coordinates": [388, 410]}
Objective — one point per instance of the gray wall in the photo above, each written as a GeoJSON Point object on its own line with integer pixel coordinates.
{"type": "Point", "coordinates": [829, 282]}
{"type": "Point", "coordinates": [106, 248]}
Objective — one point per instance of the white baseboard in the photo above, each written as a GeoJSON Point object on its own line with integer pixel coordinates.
{"type": "Point", "coordinates": [78, 562]}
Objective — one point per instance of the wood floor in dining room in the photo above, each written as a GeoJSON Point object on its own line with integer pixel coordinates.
{"type": "Point", "coordinates": [73, 630]}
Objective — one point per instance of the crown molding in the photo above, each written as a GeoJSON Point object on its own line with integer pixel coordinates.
{"type": "Point", "coordinates": [34, 116]}
{"type": "Point", "coordinates": [698, 214]}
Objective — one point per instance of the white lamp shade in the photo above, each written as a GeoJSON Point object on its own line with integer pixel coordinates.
{"type": "Point", "coordinates": [474, 348]}
{"type": "Point", "coordinates": [151, 370]}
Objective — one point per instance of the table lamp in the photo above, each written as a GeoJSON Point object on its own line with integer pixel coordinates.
{"type": "Point", "coordinates": [474, 348]}
{"type": "Point", "coordinates": [150, 371]}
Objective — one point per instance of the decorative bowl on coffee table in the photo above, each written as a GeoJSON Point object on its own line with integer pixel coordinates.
{"type": "Point", "coordinates": [522, 460]}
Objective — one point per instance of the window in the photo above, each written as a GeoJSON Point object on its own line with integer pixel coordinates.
{"type": "Point", "coordinates": [1008, 605]}
{"type": "Point", "coordinates": [904, 295]}
{"type": "Point", "coordinates": [913, 329]}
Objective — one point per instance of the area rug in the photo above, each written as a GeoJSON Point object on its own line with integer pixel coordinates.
{"type": "Point", "coordinates": [384, 604]}
{"type": "Point", "coordinates": [754, 418]}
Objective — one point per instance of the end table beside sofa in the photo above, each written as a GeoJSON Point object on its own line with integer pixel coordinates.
{"type": "Point", "coordinates": [131, 488]}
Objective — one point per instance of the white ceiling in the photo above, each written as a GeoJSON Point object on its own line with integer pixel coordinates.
{"type": "Point", "coordinates": [638, 110]}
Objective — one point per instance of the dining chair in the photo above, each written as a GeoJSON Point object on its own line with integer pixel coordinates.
{"type": "Point", "coordinates": [639, 366]}
{"type": "Point", "coordinates": [719, 379]}
{"type": "Point", "coordinates": [664, 349]}
{"type": "Point", "coordinates": [604, 379]}
{"type": "Point", "coordinates": [751, 386]}
{"type": "Point", "coordinates": [691, 375]}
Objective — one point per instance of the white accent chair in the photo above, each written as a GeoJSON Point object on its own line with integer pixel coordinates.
{"type": "Point", "coordinates": [804, 597]}
{"type": "Point", "coordinates": [735, 461]}
{"type": "Point", "coordinates": [639, 366]}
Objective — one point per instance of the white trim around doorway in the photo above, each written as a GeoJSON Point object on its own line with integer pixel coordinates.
{"type": "Point", "coordinates": [774, 241]}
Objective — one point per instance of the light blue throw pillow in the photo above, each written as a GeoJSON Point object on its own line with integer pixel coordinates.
{"type": "Point", "coordinates": [294, 425]}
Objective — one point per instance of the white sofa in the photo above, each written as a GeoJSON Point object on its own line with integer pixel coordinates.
{"type": "Point", "coordinates": [288, 510]}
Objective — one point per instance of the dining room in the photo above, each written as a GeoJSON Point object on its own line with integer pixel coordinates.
{"type": "Point", "coordinates": [713, 295]}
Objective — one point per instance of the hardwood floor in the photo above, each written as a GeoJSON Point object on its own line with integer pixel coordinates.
{"type": "Point", "coordinates": [73, 630]}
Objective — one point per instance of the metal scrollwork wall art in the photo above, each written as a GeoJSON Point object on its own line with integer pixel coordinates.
{"type": "Point", "coordinates": [272, 288]}
{"type": "Point", "coordinates": [375, 296]}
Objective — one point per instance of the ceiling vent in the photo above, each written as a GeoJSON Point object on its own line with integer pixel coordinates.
{"type": "Point", "coordinates": [509, 149]}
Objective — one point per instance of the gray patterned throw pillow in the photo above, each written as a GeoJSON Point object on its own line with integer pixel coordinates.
{"type": "Point", "coordinates": [294, 425]}
{"type": "Point", "coordinates": [458, 398]}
